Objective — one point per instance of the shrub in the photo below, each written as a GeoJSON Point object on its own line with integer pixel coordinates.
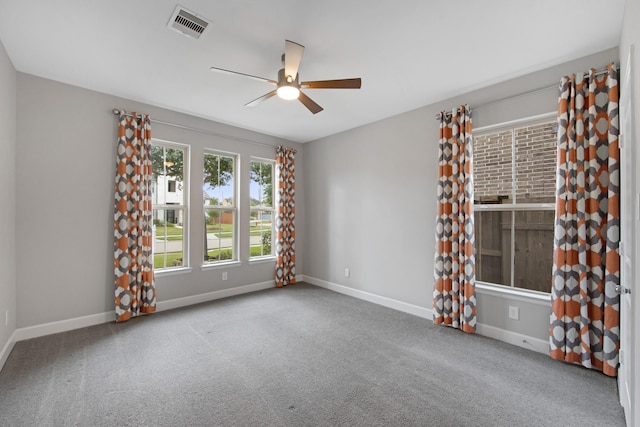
{"type": "Point", "coordinates": [215, 255]}
{"type": "Point", "coordinates": [266, 243]}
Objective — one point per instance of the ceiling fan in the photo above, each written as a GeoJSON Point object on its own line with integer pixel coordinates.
{"type": "Point", "coordinates": [288, 83]}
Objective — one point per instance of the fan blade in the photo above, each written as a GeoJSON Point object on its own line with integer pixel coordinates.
{"type": "Point", "coordinates": [310, 103]}
{"type": "Point", "coordinates": [292, 57]}
{"type": "Point", "coordinates": [333, 84]}
{"type": "Point", "coordinates": [260, 99]}
{"type": "Point", "coordinates": [262, 79]}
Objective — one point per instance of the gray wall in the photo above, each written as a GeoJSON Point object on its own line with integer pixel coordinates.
{"type": "Point", "coordinates": [631, 37]}
{"type": "Point", "coordinates": [65, 172]}
{"type": "Point", "coordinates": [7, 197]}
{"type": "Point", "coordinates": [373, 198]}
{"type": "Point", "coordinates": [357, 183]}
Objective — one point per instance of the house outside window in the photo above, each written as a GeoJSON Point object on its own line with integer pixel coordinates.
{"type": "Point", "coordinates": [220, 207]}
{"type": "Point", "coordinates": [169, 207]}
{"type": "Point", "coordinates": [261, 196]}
{"type": "Point", "coordinates": [514, 192]}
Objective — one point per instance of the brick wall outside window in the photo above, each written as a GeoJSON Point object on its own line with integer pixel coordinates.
{"type": "Point", "coordinates": [535, 164]}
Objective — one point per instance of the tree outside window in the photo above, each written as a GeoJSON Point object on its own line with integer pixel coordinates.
{"type": "Point", "coordinates": [261, 202]}
{"type": "Point", "coordinates": [219, 207]}
{"type": "Point", "coordinates": [168, 196]}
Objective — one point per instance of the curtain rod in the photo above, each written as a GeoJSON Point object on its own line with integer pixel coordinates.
{"type": "Point", "coordinates": [540, 89]}
{"type": "Point", "coordinates": [117, 112]}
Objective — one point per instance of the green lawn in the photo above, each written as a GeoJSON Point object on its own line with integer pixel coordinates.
{"type": "Point", "coordinates": [171, 232]}
{"type": "Point", "coordinates": [219, 228]}
{"type": "Point", "coordinates": [256, 251]}
{"type": "Point", "coordinates": [222, 234]}
{"type": "Point", "coordinates": [258, 231]}
{"type": "Point", "coordinates": [219, 254]}
{"type": "Point", "coordinates": [227, 228]}
{"type": "Point", "coordinates": [226, 253]}
{"type": "Point", "coordinates": [158, 259]}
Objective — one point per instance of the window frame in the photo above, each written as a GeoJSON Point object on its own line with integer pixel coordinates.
{"type": "Point", "coordinates": [514, 206]}
{"type": "Point", "coordinates": [184, 207]}
{"type": "Point", "coordinates": [235, 208]}
{"type": "Point", "coordinates": [271, 209]}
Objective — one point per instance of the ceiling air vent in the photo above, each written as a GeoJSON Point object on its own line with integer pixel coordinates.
{"type": "Point", "coordinates": [187, 23]}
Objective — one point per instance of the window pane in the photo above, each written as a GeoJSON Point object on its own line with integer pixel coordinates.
{"type": "Point", "coordinates": [168, 175]}
{"type": "Point", "coordinates": [219, 235]}
{"type": "Point", "coordinates": [167, 188]}
{"type": "Point", "coordinates": [492, 167]}
{"type": "Point", "coordinates": [534, 250]}
{"type": "Point", "coordinates": [261, 188]}
{"type": "Point", "coordinates": [168, 238]}
{"type": "Point", "coordinates": [493, 246]}
{"type": "Point", "coordinates": [261, 233]}
{"type": "Point", "coordinates": [515, 247]}
{"type": "Point", "coordinates": [536, 164]}
{"type": "Point", "coordinates": [219, 199]}
{"type": "Point", "coordinates": [218, 185]}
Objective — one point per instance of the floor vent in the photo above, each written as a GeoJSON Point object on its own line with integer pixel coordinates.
{"type": "Point", "coordinates": [187, 23]}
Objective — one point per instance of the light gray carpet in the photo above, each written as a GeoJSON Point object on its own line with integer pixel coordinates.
{"type": "Point", "coordinates": [296, 356]}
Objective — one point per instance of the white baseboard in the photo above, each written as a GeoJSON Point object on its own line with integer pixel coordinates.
{"type": "Point", "coordinates": [210, 296]}
{"type": "Point", "coordinates": [99, 318]}
{"type": "Point", "coordinates": [35, 331]}
{"type": "Point", "coordinates": [524, 341]}
{"type": "Point", "coordinates": [4, 354]}
{"type": "Point", "coordinates": [376, 299]}
{"type": "Point", "coordinates": [63, 325]}
{"type": "Point", "coordinates": [509, 337]}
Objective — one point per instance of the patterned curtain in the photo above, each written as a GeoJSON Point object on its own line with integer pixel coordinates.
{"type": "Point", "coordinates": [454, 299]}
{"type": "Point", "coordinates": [133, 264]}
{"type": "Point", "coordinates": [285, 217]}
{"type": "Point", "coordinates": [585, 314]}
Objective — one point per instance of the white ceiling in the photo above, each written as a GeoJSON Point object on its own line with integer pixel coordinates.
{"type": "Point", "coordinates": [409, 53]}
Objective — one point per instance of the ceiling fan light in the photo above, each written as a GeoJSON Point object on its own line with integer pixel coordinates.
{"type": "Point", "coordinates": [288, 92]}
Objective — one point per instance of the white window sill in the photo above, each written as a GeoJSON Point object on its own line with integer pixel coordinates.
{"type": "Point", "coordinates": [507, 207]}
{"type": "Point", "coordinates": [171, 271]}
{"type": "Point", "coordinates": [533, 297]}
{"type": "Point", "coordinates": [218, 265]}
{"type": "Point", "coordinates": [262, 260]}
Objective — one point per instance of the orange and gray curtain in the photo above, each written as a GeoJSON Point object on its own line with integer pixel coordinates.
{"type": "Point", "coordinates": [133, 264]}
{"type": "Point", "coordinates": [454, 298]}
{"type": "Point", "coordinates": [585, 316]}
{"type": "Point", "coordinates": [285, 217]}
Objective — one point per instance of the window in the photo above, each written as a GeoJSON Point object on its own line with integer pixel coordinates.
{"type": "Point", "coordinates": [169, 207]}
{"type": "Point", "coordinates": [514, 189]}
{"type": "Point", "coordinates": [262, 214]}
{"type": "Point", "coordinates": [220, 210]}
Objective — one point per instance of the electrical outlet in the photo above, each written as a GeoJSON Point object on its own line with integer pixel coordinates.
{"type": "Point", "coordinates": [224, 275]}
{"type": "Point", "coordinates": [347, 273]}
{"type": "Point", "coordinates": [514, 312]}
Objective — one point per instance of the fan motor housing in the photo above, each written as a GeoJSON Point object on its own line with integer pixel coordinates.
{"type": "Point", "coordinates": [283, 81]}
